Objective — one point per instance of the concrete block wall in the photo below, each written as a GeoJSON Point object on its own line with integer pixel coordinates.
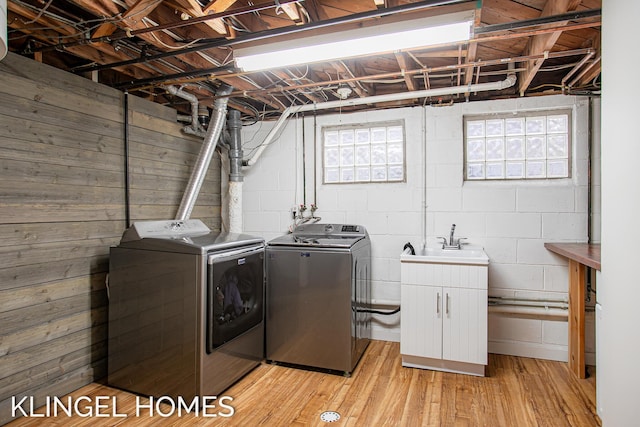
{"type": "Point", "coordinates": [511, 219]}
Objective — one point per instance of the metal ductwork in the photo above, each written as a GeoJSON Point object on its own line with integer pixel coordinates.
{"type": "Point", "coordinates": [195, 128]}
{"type": "Point", "coordinates": [235, 172]}
{"type": "Point", "coordinates": [206, 152]}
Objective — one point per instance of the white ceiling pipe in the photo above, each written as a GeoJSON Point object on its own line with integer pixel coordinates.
{"type": "Point", "coordinates": [480, 87]}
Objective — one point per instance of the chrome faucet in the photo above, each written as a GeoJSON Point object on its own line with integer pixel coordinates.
{"type": "Point", "coordinates": [453, 243]}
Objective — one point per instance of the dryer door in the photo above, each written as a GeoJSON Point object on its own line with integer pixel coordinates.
{"type": "Point", "coordinates": [235, 294]}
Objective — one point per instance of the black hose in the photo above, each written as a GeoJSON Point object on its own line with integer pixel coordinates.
{"type": "Point", "coordinates": [408, 245]}
{"type": "Point", "coordinates": [384, 313]}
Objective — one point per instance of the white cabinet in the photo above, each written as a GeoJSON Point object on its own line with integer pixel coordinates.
{"type": "Point", "coordinates": [444, 316]}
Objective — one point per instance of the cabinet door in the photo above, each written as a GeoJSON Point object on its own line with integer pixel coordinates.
{"type": "Point", "coordinates": [465, 325]}
{"type": "Point", "coordinates": [421, 320]}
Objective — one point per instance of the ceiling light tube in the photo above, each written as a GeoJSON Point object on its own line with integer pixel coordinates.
{"type": "Point", "coordinates": [363, 41]}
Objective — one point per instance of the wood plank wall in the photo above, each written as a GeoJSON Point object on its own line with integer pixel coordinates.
{"type": "Point", "coordinates": [62, 205]}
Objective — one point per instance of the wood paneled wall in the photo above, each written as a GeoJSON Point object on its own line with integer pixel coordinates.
{"type": "Point", "coordinates": [62, 205]}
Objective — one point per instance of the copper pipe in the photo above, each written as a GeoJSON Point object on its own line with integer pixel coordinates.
{"type": "Point", "coordinates": [515, 35]}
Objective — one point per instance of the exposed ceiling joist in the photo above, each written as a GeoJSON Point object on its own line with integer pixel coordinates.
{"type": "Point", "coordinates": [403, 63]}
{"type": "Point", "coordinates": [143, 45]}
{"type": "Point", "coordinates": [193, 9]}
{"type": "Point", "coordinates": [471, 55]}
{"type": "Point", "coordinates": [543, 42]}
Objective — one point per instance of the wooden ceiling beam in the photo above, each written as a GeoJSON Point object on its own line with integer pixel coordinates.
{"type": "Point", "coordinates": [315, 10]}
{"type": "Point", "coordinates": [139, 10]}
{"type": "Point", "coordinates": [104, 9]}
{"type": "Point", "coordinates": [95, 55]}
{"type": "Point", "coordinates": [286, 77]}
{"type": "Point", "coordinates": [359, 70]}
{"type": "Point", "coordinates": [472, 49]}
{"type": "Point", "coordinates": [402, 62]}
{"type": "Point", "coordinates": [193, 59]}
{"type": "Point", "coordinates": [108, 28]}
{"type": "Point", "coordinates": [193, 8]}
{"type": "Point", "coordinates": [344, 71]}
{"type": "Point", "coordinates": [291, 9]}
{"type": "Point", "coordinates": [133, 19]}
{"type": "Point", "coordinates": [218, 6]}
{"type": "Point", "coordinates": [98, 52]}
{"type": "Point", "coordinates": [543, 42]}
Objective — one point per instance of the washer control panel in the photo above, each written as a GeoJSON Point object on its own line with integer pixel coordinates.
{"type": "Point", "coordinates": [350, 229]}
{"type": "Point", "coordinates": [169, 229]}
{"type": "Point", "coordinates": [329, 230]}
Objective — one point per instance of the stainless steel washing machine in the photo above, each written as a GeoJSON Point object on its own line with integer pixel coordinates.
{"type": "Point", "coordinates": [318, 296]}
{"type": "Point", "coordinates": [186, 309]}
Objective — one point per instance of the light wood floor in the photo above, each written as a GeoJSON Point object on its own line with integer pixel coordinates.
{"type": "Point", "coordinates": [517, 392]}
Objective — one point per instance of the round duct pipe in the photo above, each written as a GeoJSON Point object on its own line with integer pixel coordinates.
{"type": "Point", "coordinates": [206, 152]}
{"type": "Point", "coordinates": [3, 29]}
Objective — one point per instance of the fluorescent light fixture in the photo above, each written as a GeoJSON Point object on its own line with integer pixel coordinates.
{"type": "Point", "coordinates": [356, 42]}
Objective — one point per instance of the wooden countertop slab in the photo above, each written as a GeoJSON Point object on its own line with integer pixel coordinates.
{"type": "Point", "coordinates": [585, 253]}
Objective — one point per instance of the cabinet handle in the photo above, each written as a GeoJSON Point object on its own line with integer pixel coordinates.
{"type": "Point", "coordinates": [438, 304]}
{"type": "Point", "coordinates": [447, 306]}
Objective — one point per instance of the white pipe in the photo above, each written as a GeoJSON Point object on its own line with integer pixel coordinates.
{"type": "Point", "coordinates": [270, 136]}
{"type": "Point", "coordinates": [235, 207]}
{"type": "Point", "coordinates": [480, 87]}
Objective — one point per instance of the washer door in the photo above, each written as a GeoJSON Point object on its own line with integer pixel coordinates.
{"type": "Point", "coordinates": [235, 294]}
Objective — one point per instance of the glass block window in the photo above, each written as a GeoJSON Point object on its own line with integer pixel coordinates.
{"type": "Point", "coordinates": [518, 146]}
{"type": "Point", "coordinates": [364, 153]}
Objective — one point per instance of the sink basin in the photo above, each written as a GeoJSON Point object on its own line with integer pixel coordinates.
{"type": "Point", "coordinates": [466, 255]}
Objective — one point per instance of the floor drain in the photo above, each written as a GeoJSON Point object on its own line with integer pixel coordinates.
{"type": "Point", "coordinates": [330, 416]}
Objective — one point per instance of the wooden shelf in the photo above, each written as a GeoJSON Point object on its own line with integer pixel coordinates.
{"type": "Point", "coordinates": [581, 256]}
{"type": "Point", "coordinates": [585, 253]}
